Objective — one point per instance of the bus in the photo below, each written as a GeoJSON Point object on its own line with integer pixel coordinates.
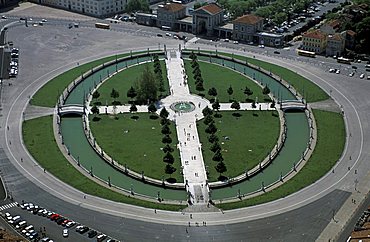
{"type": "Point", "coordinates": [343, 60]}
{"type": "Point", "coordinates": [166, 28]}
{"type": "Point", "coordinates": [306, 53]}
{"type": "Point", "coordinates": [102, 26]}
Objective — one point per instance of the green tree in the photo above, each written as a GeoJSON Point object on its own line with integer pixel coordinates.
{"type": "Point", "coordinates": [114, 94]}
{"type": "Point", "coordinates": [211, 128]}
{"type": "Point", "coordinates": [218, 156]}
{"type": "Point", "coordinates": [133, 108]}
{"type": "Point", "coordinates": [96, 95]}
{"type": "Point", "coordinates": [220, 167]}
{"type": "Point", "coordinates": [230, 91]}
{"type": "Point", "coordinates": [95, 110]}
{"type": "Point", "coordinates": [167, 139]}
{"type": "Point", "coordinates": [169, 169]}
{"type": "Point", "coordinates": [146, 86]}
{"type": "Point", "coordinates": [167, 148]}
{"type": "Point", "coordinates": [207, 111]}
{"type": "Point", "coordinates": [215, 147]}
{"type": "Point", "coordinates": [208, 119]}
{"type": "Point", "coordinates": [212, 92]}
{"type": "Point", "coordinates": [164, 113]}
{"type": "Point", "coordinates": [213, 138]}
{"type": "Point", "coordinates": [235, 105]}
{"type": "Point", "coordinates": [166, 129]}
{"type": "Point", "coordinates": [248, 92]}
{"type": "Point", "coordinates": [168, 158]}
{"type": "Point", "coordinates": [165, 121]}
{"type": "Point", "coordinates": [131, 93]}
{"type": "Point", "coordinates": [199, 86]}
{"type": "Point", "coordinates": [272, 105]}
{"type": "Point", "coordinates": [266, 90]}
{"type": "Point", "coordinates": [137, 5]}
{"type": "Point", "coordinates": [216, 105]}
{"type": "Point", "coordinates": [152, 108]}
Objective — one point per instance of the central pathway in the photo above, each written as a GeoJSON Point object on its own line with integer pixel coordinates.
{"type": "Point", "coordinates": [192, 163]}
{"type": "Point", "coordinates": [194, 172]}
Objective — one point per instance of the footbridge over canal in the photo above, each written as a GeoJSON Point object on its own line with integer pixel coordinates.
{"type": "Point", "coordinates": [71, 109]}
{"type": "Point", "coordinates": [287, 105]}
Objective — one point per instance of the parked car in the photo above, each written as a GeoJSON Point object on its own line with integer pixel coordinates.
{"type": "Point", "coordinates": [92, 233]}
{"type": "Point", "coordinates": [362, 76]}
{"type": "Point", "coordinates": [65, 233]}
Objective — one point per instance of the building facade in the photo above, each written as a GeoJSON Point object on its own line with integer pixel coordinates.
{"type": "Point", "coordinates": [168, 14]}
{"type": "Point", "coordinates": [246, 27]}
{"type": "Point", "coordinates": [335, 45]}
{"type": "Point", "coordinates": [207, 18]}
{"type": "Point", "coordinates": [314, 41]}
{"type": "Point", "coordinates": [270, 39]}
{"type": "Point", "coordinates": [97, 8]}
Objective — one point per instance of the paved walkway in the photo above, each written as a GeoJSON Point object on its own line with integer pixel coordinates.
{"type": "Point", "coordinates": [194, 170]}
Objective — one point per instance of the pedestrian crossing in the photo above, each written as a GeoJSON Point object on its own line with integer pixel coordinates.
{"type": "Point", "coordinates": [7, 206]}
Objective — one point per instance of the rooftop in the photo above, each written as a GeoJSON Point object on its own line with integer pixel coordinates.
{"type": "Point", "coordinates": [248, 19]}
{"type": "Point", "coordinates": [316, 34]}
{"type": "Point", "coordinates": [211, 8]}
{"type": "Point", "coordinates": [336, 37]}
{"type": "Point", "coordinates": [172, 7]}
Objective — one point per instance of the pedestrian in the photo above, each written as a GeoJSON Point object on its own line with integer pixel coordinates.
{"type": "Point", "coordinates": [186, 229]}
{"type": "Point", "coordinates": [155, 210]}
{"type": "Point", "coordinates": [191, 216]}
{"type": "Point", "coordinates": [84, 196]}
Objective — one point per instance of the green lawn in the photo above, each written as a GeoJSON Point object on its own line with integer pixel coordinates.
{"type": "Point", "coordinates": [250, 139]}
{"type": "Point", "coordinates": [38, 137]}
{"type": "Point", "coordinates": [143, 143]}
{"type": "Point", "coordinates": [313, 93]}
{"type": "Point", "coordinates": [329, 148]}
{"type": "Point", "coordinates": [47, 96]}
{"type": "Point", "coordinates": [124, 80]}
{"type": "Point", "coordinates": [222, 78]}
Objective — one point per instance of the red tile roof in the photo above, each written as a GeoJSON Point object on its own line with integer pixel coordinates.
{"type": "Point", "coordinates": [316, 34]}
{"type": "Point", "coordinates": [173, 7]}
{"type": "Point", "coordinates": [351, 32]}
{"type": "Point", "coordinates": [336, 37]}
{"type": "Point", "coordinates": [212, 8]}
{"type": "Point", "coordinates": [248, 19]}
{"type": "Point", "coordinates": [334, 23]}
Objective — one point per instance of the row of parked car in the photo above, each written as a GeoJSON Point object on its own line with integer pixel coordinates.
{"type": "Point", "coordinates": [27, 230]}
{"type": "Point", "coordinates": [65, 222]}
{"type": "Point", "coordinates": [14, 62]}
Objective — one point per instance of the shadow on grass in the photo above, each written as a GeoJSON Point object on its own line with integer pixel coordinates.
{"type": "Point", "coordinates": [171, 180]}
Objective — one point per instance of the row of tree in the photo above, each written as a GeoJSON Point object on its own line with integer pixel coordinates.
{"type": "Point", "coordinates": [215, 147]}
{"type": "Point", "coordinates": [197, 74]}
{"type": "Point", "coordinates": [167, 140]}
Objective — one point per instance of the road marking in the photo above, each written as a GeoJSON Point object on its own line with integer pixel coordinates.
{"type": "Point", "coordinates": [7, 206]}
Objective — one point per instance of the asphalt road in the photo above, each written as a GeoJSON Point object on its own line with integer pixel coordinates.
{"type": "Point", "coordinates": [47, 51]}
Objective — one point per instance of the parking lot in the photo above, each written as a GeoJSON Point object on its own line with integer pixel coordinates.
{"type": "Point", "coordinates": [40, 224]}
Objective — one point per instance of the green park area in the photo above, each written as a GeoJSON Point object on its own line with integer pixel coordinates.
{"type": "Point", "coordinates": [38, 136]}
{"type": "Point", "coordinates": [327, 152]}
{"type": "Point", "coordinates": [222, 78]}
{"type": "Point", "coordinates": [126, 79]}
{"type": "Point", "coordinates": [245, 140]}
{"type": "Point", "coordinates": [48, 95]}
{"type": "Point", "coordinates": [137, 143]}
{"type": "Point", "coordinates": [311, 91]}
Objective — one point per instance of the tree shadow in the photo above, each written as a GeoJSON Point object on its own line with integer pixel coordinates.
{"type": "Point", "coordinates": [153, 117]}
{"type": "Point", "coordinates": [255, 114]}
{"type": "Point", "coordinates": [222, 178]}
{"type": "Point", "coordinates": [238, 115]}
{"type": "Point", "coordinates": [116, 103]}
{"type": "Point", "coordinates": [96, 119]}
{"type": "Point", "coordinates": [171, 180]}
{"type": "Point", "coordinates": [217, 115]}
